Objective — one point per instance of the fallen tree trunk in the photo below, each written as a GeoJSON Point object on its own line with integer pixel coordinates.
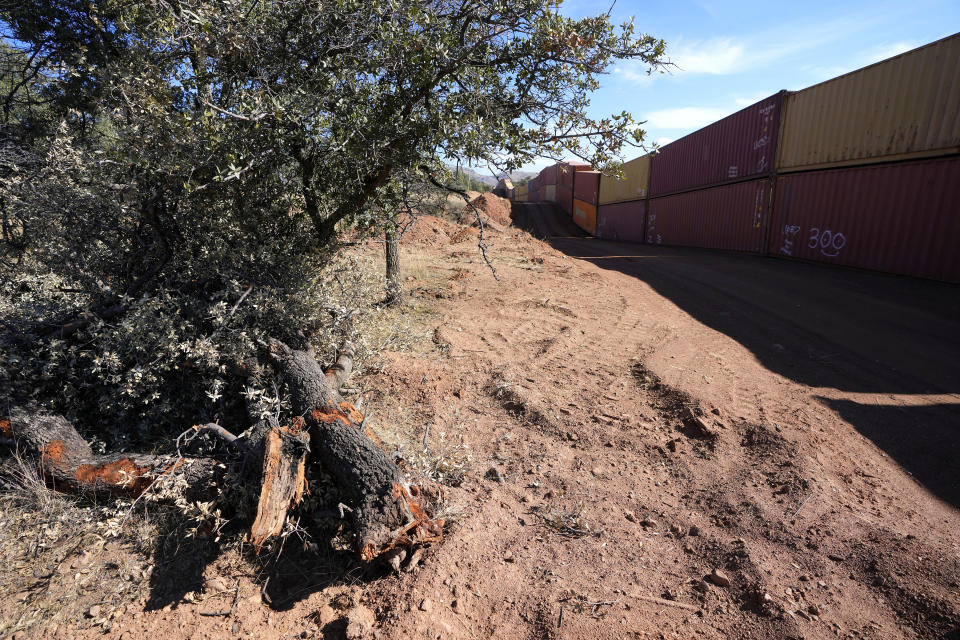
{"type": "Point", "coordinates": [387, 509]}
{"type": "Point", "coordinates": [68, 463]}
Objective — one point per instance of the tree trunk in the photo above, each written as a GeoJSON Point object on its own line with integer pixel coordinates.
{"type": "Point", "coordinates": [68, 463]}
{"type": "Point", "coordinates": [392, 244]}
{"type": "Point", "coordinates": [388, 510]}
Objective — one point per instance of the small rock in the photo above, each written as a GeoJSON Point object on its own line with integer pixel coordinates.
{"type": "Point", "coordinates": [457, 607]}
{"type": "Point", "coordinates": [648, 522]}
{"type": "Point", "coordinates": [719, 578]}
{"type": "Point", "coordinates": [93, 611]}
{"type": "Point", "coordinates": [814, 609]}
{"type": "Point", "coordinates": [694, 530]}
{"type": "Point", "coordinates": [629, 515]}
{"type": "Point", "coordinates": [509, 558]}
{"type": "Point", "coordinates": [360, 623]}
{"type": "Point", "coordinates": [676, 529]}
{"type": "Point", "coordinates": [216, 585]}
{"type": "Point", "coordinates": [687, 548]}
{"type": "Point", "coordinates": [526, 498]}
{"type": "Point", "coordinates": [597, 472]}
{"type": "Point", "coordinates": [395, 557]}
{"type": "Point", "coordinates": [415, 558]}
{"type": "Point", "coordinates": [804, 578]}
{"type": "Point", "coordinates": [494, 474]}
{"type": "Point", "coordinates": [426, 604]}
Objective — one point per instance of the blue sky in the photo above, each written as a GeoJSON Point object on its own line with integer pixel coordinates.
{"type": "Point", "coordinates": [732, 54]}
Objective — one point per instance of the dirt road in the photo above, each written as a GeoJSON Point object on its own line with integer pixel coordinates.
{"type": "Point", "coordinates": [658, 414]}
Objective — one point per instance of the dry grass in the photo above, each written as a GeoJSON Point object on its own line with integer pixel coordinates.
{"type": "Point", "coordinates": [58, 564]}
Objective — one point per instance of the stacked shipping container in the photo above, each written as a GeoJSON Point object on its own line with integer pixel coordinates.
{"type": "Point", "coordinates": [586, 193]}
{"type": "Point", "coordinates": [861, 170]}
{"type": "Point", "coordinates": [622, 206]}
{"type": "Point", "coordinates": [739, 147]}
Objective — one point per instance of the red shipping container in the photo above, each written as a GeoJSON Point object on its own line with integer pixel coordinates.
{"type": "Point", "coordinates": [566, 171]}
{"type": "Point", "coordinates": [586, 186]}
{"type": "Point", "coordinates": [731, 217]}
{"type": "Point", "coordinates": [622, 221]}
{"type": "Point", "coordinates": [565, 198]}
{"type": "Point", "coordinates": [900, 218]}
{"type": "Point", "coordinates": [740, 146]}
{"type": "Point", "coordinates": [549, 175]}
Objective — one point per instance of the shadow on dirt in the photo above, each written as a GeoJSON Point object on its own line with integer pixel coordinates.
{"type": "Point", "coordinates": [820, 326]}
{"type": "Point", "coordinates": [285, 574]}
{"type": "Point", "coordinates": [924, 440]}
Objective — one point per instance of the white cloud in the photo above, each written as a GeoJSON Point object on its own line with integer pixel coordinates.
{"type": "Point", "coordinates": [684, 117]}
{"type": "Point", "coordinates": [886, 51]}
{"type": "Point", "coordinates": [717, 56]}
{"type": "Point", "coordinates": [661, 141]}
{"type": "Point", "coordinates": [634, 72]}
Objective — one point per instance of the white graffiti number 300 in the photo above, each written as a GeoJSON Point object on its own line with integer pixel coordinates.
{"type": "Point", "coordinates": [829, 242]}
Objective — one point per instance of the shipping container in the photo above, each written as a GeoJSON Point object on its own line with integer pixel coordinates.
{"type": "Point", "coordinates": [732, 217]}
{"type": "Point", "coordinates": [520, 192]}
{"type": "Point", "coordinates": [567, 170]}
{"type": "Point", "coordinates": [586, 186]}
{"type": "Point", "coordinates": [900, 218]}
{"type": "Point", "coordinates": [636, 180]}
{"type": "Point", "coordinates": [739, 147]}
{"type": "Point", "coordinates": [623, 221]}
{"type": "Point", "coordinates": [550, 193]}
{"type": "Point", "coordinates": [549, 175]}
{"type": "Point", "coordinates": [565, 199]}
{"type": "Point", "coordinates": [904, 107]}
{"type": "Point", "coordinates": [533, 195]}
{"type": "Point", "coordinates": [585, 216]}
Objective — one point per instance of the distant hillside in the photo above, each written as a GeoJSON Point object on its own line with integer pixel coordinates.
{"type": "Point", "coordinates": [486, 178]}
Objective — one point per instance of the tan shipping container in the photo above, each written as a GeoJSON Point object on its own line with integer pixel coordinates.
{"type": "Point", "coordinates": [520, 192]}
{"type": "Point", "coordinates": [901, 108]}
{"type": "Point", "coordinates": [550, 193]}
{"type": "Point", "coordinates": [636, 181]}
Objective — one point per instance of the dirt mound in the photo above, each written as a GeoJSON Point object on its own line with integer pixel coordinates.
{"type": "Point", "coordinates": [428, 230]}
{"type": "Point", "coordinates": [491, 207]}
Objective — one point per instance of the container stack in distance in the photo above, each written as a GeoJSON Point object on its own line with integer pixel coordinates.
{"type": "Point", "coordinates": [862, 170]}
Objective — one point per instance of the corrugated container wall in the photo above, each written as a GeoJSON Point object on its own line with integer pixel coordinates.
{"type": "Point", "coordinates": [622, 221]}
{"type": "Point", "coordinates": [636, 181]}
{"type": "Point", "coordinates": [520, 192]}
{"type": "Point", "coordinates": [738, 147]}
{"type": "Point", "coordinates": [565, 198]}
{"type": "Point", "coordinates": [586, 186]}
{"type": "Point", "coordinates": [550, 193]}
{"type": "Point", "coordinates": [728, 217]}
{"type": "Point", "coordinates": [567, 170]}
{"type": "Point", "coordinates": [907, 106]}
{"type": "Point", "coordinates": [900, 218]}
{"type": "Point", "coordinates": [585, 216]}
{"type": "Point", "coordinates": [549, 175]}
